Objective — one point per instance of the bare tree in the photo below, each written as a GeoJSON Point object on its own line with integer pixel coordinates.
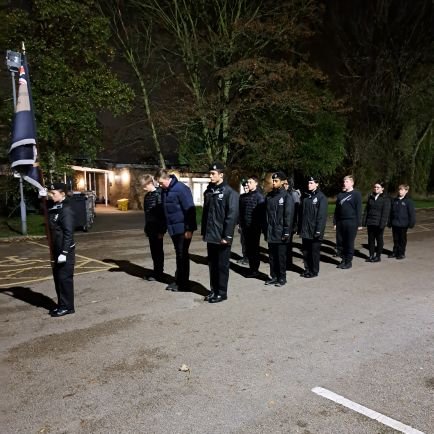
{"type": "Point", "coordinates": [134, 39]}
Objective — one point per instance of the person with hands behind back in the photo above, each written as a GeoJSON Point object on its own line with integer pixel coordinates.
{"type": "Point", "coordinates": [219, 218]}
{"type": "Point", "coordinates": [61, 223]}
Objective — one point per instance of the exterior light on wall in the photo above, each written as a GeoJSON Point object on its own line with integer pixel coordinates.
{"type": "Point", "coordinates": [125, 176]}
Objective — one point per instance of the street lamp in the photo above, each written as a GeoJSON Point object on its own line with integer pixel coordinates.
{"type": "Point", "coordinates": [13, 63]}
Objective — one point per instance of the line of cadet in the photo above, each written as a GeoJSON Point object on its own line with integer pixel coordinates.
{"type": "Point", "coordinates": [278, 215]}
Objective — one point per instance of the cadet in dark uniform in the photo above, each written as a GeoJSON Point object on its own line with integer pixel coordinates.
{"type": "Point", "coordinates": [375, 218]}
{"type": "Point", "coordinates": [402, 217]}
{"type": "Point", "coordinates": [348, 219]}
{"type": "Point", "coordinates": [279, 217]}
{"type": "Point", "coordinates": [219, 218]}
{"type": "Point", "coordinates": [288, 185]}
{"type": "Point", "coordinates": [61, 222]}
{"type": "Point", "coordinates": [244, 260]}
{"type": "Point", "coordinates": [311, 226]}
{"type": "Point", "coordinates": [252, 214]}
{"type": "Point", "coordinates": [155, 225]}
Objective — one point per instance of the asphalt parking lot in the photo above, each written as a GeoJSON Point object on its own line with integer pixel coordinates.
{"type": "Point", "coordinates": [268, 360]}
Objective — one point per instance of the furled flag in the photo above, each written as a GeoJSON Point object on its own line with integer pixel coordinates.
{"type": "Point", "coordinates": [23, 153]}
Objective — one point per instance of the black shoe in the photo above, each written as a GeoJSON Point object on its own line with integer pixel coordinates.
{"type": "Point", "coordinates": [341, 265]}
{"type": "Point", "coordinates": [281, 282]}
{"type": "Point", "coordinates": [171, 286]}
{"type": "Point", "coordinates": [209, 296]}
{"type": "Point", "coordinates": [376, 259]}
{"type": "Point", "coordinates": [252, 274]}
{"type": "Point", "coordinates": [150, 279]}
{"type": "Point", "coordinates": [392, 255]}
{"type": "Point", "coordinates": [400, 257]}
{"type": "Point", "coordinates": [370, 259]}
{"type": "Point", "coordinates": [271, 281]}
{"type": "Point", "coordinates": [217, 299]}
{"type": "Point", "coordinates": [310, 275]}
{"type": "Point", "coordinates": [52, 311]}
{"type": "Point", "coordinates": [346, 266]}
{"type": "Point", "coordinates": [62, 312]}
{"type": "Point", "coordinates": [305, 273]}
{"type": "Point", "coordinates": [243, 261]}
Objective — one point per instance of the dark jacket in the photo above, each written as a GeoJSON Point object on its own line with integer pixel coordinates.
{"type": "Point", "coordinates": [220, 213]}
{"type": "Point", "coordinates": [313, 215]}
{"type": "Point", "coordinates": [178, 207]}
{"type": "Point", "coordinates": [61, 222]}
{"type": "Point", "coordinates": [279, 216]}
{"type": "Point", "coordinates": [348, 207]}
{"type": "Point", "coordinates": [403, 214]}
{"type": "Point", "coordinates": [155, 220]}
{"type": "Point", "coordinates": [377, 211]}
{"type": "Point", "coordinates": [252, 210]}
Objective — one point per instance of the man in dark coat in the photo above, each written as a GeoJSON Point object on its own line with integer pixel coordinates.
{"type": "Point", "coordinates": [219, 218]}
{"type": "Point", "coordinates": [279, 217]}
{"type": "Point", "coordinates": [180, 214]}
{"type": "Point", "coordinates": [155, 224]}
{"type": "Point", "coordinates": [61, 222]}
{"type": "Point", "coordinates": [311, 226]}
{"type": "Point", "coordinates": [252, 214]}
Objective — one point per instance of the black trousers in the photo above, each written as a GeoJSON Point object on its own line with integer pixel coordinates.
{"type": "Point", "coordinates": [289, 254]}
{"type": "Point", "coordinates": [218, 264]}
{"type": "Point", "coordinates": [338, 242]}
{"type": "Point", "coordinates": [375, 240]}
{"type": "Point", "coordinates": [277, 257]}
{"type": "Point", "coordinates": [157, 254]}
{"type": "Point", "coordinates": [311, 254]}
{"type": "Point", "coordinates": [182, 245]}
{"type": "Point", "coordinates": [347, 231]}
{"type": "Point", "coordinates": [252, 238]}
{"type": "Point", "coordinates": [399, 240]}
{"type": "Point", "coordinates": [243, 243]}
{"type": "Point", "coordinates": [63, 275]}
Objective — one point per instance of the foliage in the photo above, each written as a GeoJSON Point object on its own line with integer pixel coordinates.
{"type": "Point", "coordinates": [385, 67]}
{"type": "Point", "coordinates": [68, 53]}
{"type": "Point", "coordinates": [255, 100]}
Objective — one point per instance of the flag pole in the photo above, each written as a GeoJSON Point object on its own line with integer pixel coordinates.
{"type": "Point", "coordinates": [22, 201]}
{"type": "Point", "coordinates": [42, 198]}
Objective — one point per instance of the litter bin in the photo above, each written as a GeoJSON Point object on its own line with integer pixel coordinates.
{"type": "Point", "coordinates": [83, 206]}
{"type": "Point", "coordinates": [78, 205]}
{"type": "Point", "coordinates": [123, 204]}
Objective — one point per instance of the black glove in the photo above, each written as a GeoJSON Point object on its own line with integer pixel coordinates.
{"type": "Point", "coordinates": [316, 235]}
{"type": "Point", "coordinates": [285, 237]}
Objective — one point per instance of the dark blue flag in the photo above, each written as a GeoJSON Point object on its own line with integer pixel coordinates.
{"type": "Point", "coordinates": [23, 153]}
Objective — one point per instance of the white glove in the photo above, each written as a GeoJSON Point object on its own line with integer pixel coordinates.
{"type": "Point", "coordinates": [61, 259]}
{"type": "Point", "coordinates": [42, 193]}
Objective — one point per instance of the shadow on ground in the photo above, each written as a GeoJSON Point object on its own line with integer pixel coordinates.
{"type": "Point", "coordinates": [31, 297]}
{"type": "Point", "coordinates": [143, 273]}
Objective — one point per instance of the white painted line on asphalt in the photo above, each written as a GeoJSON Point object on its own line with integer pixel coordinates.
{"type": "Point", "coordinates": [385, 420]}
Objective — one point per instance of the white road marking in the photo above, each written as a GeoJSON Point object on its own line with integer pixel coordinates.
{"type": "Point", "coordinates": [385, 420]}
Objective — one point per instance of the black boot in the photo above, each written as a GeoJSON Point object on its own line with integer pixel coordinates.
{"type": "Point", "coordinates": [342, 264]}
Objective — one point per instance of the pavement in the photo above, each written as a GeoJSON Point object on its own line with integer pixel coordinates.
{"type": "Point", "coordinates": [136, 358]}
